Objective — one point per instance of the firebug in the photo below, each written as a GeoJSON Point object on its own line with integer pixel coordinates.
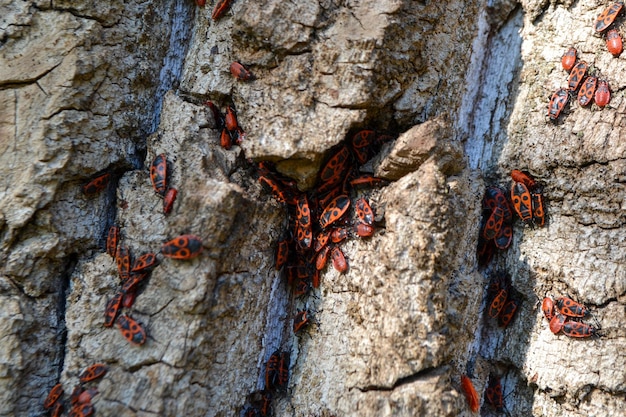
{"type": "Point", "coordinates": [614, 42]}
{"type": "Point", "coordinates": [361, 144]}
{"type": "Point", "coordinates": [558, 101]}
{"type": "Point", "coordinates": [494, 223]}
{"type": "Point", "coordinates": [55, 393]}
{"type": "Point", "coordinates": [339, 234]}
{"type": "Point", "coordinates": [131, 330]}
{"type": "Point", "coordinates": [122, 258]}
{"type": "Point", "coordinates": [470, 393]}
{"type": "Point", "coordinates": [144, 262]}
{"type": "Point", "coordinates": [497, 304]}
{"type": "Point", "coordinates": [494, 394]}
{"type": "Point", "coordinates": [569, 59]}
{"type": "Point", "coordinates": [368, 180]}
{"type": "Point", "coordinates": [240, 72]}
{"type": "Point", "coordinates": [300, 321]}
{"type": "Point", "coordinates": [508, 312]}
{"type": "Point", "coordinates": [182, 247]}
{"type": "Point", "coordinates": [231, 120]}
{"type": "Point", "coordinates": [158, 174]}
{"type": "Point", "coordinates": [129, 298]}
{"type": "Point", "coordinates": [322, 258]}
{"type": "Point", "coordinates": [585, 95]}
{"type": "Point", "coordinates": [577, 329]}
{"type": "Point", "coordinates": [577, 75]}
{"type": "Point", "coordinates": [557, 323]}
{"type": "Point", "coordinates": [112, 239]}
{"type": "Point", "coordinates": [321, 240]}
{"type": "Point", "coordinates": [334, 210]}
{"type": "Point", "coordinates": [225, 140]}
{"type": "Point", "coordinates": [131, 283]}
{"type": "Point", "coordinates": [96, 185]}
{"type": "Point", "coordinates": [334, 170]}
{"type": "Point", "coordinates": [168, 201]}
{"type": "Point", "coordinates": [539, 216]}
{"type": "Point", "coordinates": [603, 94]}
{"type": "Point", "coordinates": [220, 8]}
{"type": "Point", "coordinates": [364, 230]}
{"type": "Point", "coordinates": [504, 237]}
{"type": "Point", "coordinates": [364, 211]}
{"type": "Point", "coordinates": [282, 253]}
{"type": "Point", "coordinates": [608, 16]}
{"type": "Point", "coordinates": [271, 370]}
{"type": "Point", "coordinates": [547, 306]}
{"type": "Point", "coordinates": [82, 410]}
{"type": "Point", "coordinates": [200, 3]}
{"type": "Point", "coordinates": [339, 260]}
{"type": "Point", "coordinates": [571, 308]}
{"type": "Point", "coordinates": [95, 371]}
{"type": "Point", "coordinates": [521, 201]}
{"type": "Point", "coordinates": [519, 176]}
{"type": "Point", "coordinates": [57, 411]}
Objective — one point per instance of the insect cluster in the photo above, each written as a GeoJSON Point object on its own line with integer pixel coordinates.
{"type": "Point", "coordinates": [319, 222]}
{"type": "Point", "coordinates": [565, 315]}
{"type": "Point", "coordinates": [590, 87]}
{"type": "Point", "coordinates": [80, 399]}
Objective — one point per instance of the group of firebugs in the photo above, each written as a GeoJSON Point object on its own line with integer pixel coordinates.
{"type": "Point", "coordinates": [590, 88]}
{"type": "Point", "coordinates": [133, 278]}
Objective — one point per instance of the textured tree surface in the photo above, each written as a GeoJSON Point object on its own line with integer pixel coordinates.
{"type": "Point", "coordinates": [463, 89]}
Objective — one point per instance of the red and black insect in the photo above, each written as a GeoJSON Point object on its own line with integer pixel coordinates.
{"type": "Point", "coordinates": [614, 42]}
{"type": "Point", "coordinates": [539, 215]}
{"type": "Point", "coordinates": [585, 95]}
{"type": "Point", "coordinates": [200, 3]}
{"type": "Point", "coordinates": [504, 237]}
{"type": "Point", "coordinates": [522, 203]}
{"type": "Point", "coordinates": [271, 370]}
{"type": "Point", "coordinates": [578, 330]}
{"type": "Point", "coordinates": [339, 234]}
{"type": "Point", "coordinates": [283, 369]}
{"type": "Point", "coordinates": [339, 260]}
{"type": "Point", "coordinates": [112, 308]}
{"type": "Point", "coordinates": [362, 143]}
{"type": "Point", "coordinates": [144, 262]}
{"type": "Point", "coordinates": [497, 303]}
{"type": "Point", "coordinates": [301, 321]}
{"type": "Point", "coordinates": [520, 176]}
{"type": "Point", "coordinates": [473, 400]}
{"type": "Point", "coordinates": [557, 322]}
{"type": "Point", "coordinates": [494, 223]}
{"type": "Point", "coordinates": [558, 101]}
{"type": "Point", "coordinates": [85, 396]}
{"type": "Point", "coordinates": [547, 306]}
{"type": "Point", "coordinates": [95, 371]}
{"type": "Point", "coordinates": [571, 308]}
{"type": "Point", "coordinates": [569, 59]}
{"type": "Point", "coordinates": [368, 181]}
{"type": "Point", "coordinates": [494, 395]}
{"type": "Point", "coordinates": [129, 297]}
{"type": "Point", "coordinates": [158, 174]}
{"type": "Point", "coordinates": [112, 239]}
{"type": "Point", "coordinates": [96, 185]}
{"type": "Point", "coordinates": [82, 410]}
{"type": "Point", "coordinates": [217, 115]}
{"type": "Point", "coordinates": [607, 17]}
{"type": "Point", "coordinates": [182, 247]}
{"type": "Point", "coordinates": [240, 72]}
{"type": "Point", "coordinates": [282, 253]}
{"type": "Point", "coordinates": [131, 330]}
{"type": "Point", "coordinates": [226, 141]}
{"type": "Point", "coordinates": [131, 283]}
{"type": "Point", "coordinates": [334, 211]}
{"type": "Point", "coordinates": [603, 94]}
{"type": "Point", "coordinates": [322, 258]}
{"type": "Point", "coordinates": [364, 230]}
{"type": "Point", "coordinates": [55, 393]}
{"type": "Point", "coordinates": [508, 311]}
{"type": "Point", "coordinates": [122, 258]}
{"type": "Point", "coordinates": [577, 75]}
{"type": "Point", "coordinates": [304, 231]}
{"type": "Point", "coordinates": [168, 201]}
{"type": "Point", "coordinates": [57, 411]}
{"type": "Point", "coordinates": [364, 211]}
{"type": "Point", "coordinates": [335, 170]}
{"type": "Point", "coordinates": [220, 8]}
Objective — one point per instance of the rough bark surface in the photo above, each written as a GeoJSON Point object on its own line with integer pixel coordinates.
{"type": "Point", "coordinates": [91, 88]}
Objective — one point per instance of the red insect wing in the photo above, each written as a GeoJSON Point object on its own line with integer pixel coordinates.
{"type": "Point", "coordinates": [361, 143]}
{"type": "Point", "coordinates": [494, 224]}
{"type": "Point", "coordinates": [55, 393]}
{"type": "Point", "coordinates": [129, 298]}
{"type": "Point", "coordinates": [271, 370]}
{"type": "Point", "coordinates": [276, 189]}
{"type": "Point", "coordinates": [78, 389]}
{"type": "Point", "coordinates": [96, 185]}
{"type": "Point", "coordinates": [585, 95]}
{"type": "Point", "coordinates": [217, 115]}
{"type": "Point", "coordinates": [200, 3]}
{"type": "Point", "coordinates": [282, 254]}
{"type": "Point", "coordinates": [158, 174]}
{"type": "Point", "coordinates": [112, 239]}
{"type": "Point", "coordinates": [521, 199]}
{"type": "Point", "coordinates": [557, 322]}
{"type": "Point", "coordinates": [519, 176]}
{"type": "Point", "coordinates": [321, 240]}
{"type": "Point", "coordinates": [225, 139]}
{"type": "Point", "coordinates": [497, 304]}
{"type": "Point", "coordinates": [82, 410]}
{"type": "Point", "coordinates": [504, 238]}
{"type": "Point", "coordinates": [569, 59]}
{"type": "Point", "coordinates": [547, 306]}
{"type": "Point", "coordinates": [300, 321]}
{"type": "Point", "coordinates": [368, 181]}
{"type": "Point", "coordinates": [577, 329]}
{"type": "Point", "coordinates": [539, 216]}
{"type": "Point", "coordinates": [220, 8]}
{"type": "Point", "coordinates": [86, 396]}
{"type": "Point", "coordinates": [131, 283]}
{"type": "Point", "coordinates": [131, 330]}
{"type": "Point", "coordinates": [336, 167]}
{"type": "Point", "coordinates": [364, 230]}
{"type": "Point", "coordinates": [93, 372]}
{"type": "Point", "coordinates": [339, 261]}
{"type": "Point", "coordinates": [470, 393]}
{"type": "Point", "coordinates": [558, 101]}
{"type": "Point", "coordinates": [364, 211]}
{"type": "Point", "coordinates": [144, 262]}
{"type": "Point", "coordinates": [240, 72]}
{"type": "Point", "coordinates": [122, 258]}
{"type": "Point", "coordinates": [571, 308]}
{"type": "Point", "coordinates": [303, 213]}
{"type": "Point", "coordinates": [231, 120]}
{"type": "Point", "coordinates": [493, 394]}
{"type": "Point", "coordinates": [603, 94]}
{"type": "Point", "coordinates": [168, 201]}
{"type": "Point", "coordinates": [334, 211]}
{"type": "Point", "coordinates": [607, 17]}
{"type": "Point", "coordinates": [182, 247]}
{"type": "Point", "coordinates": [283, 369]}
{"type": "Point", "coordinates": [507, 313]}
{"type": "Point", "coordinates": [112, 308]}
{"type": "Point", "coordinates": [614, 42]}
{"type": "Point", "coordinates": [577, 75]}
{"type": "Point", "coordinates": [322, 258]}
